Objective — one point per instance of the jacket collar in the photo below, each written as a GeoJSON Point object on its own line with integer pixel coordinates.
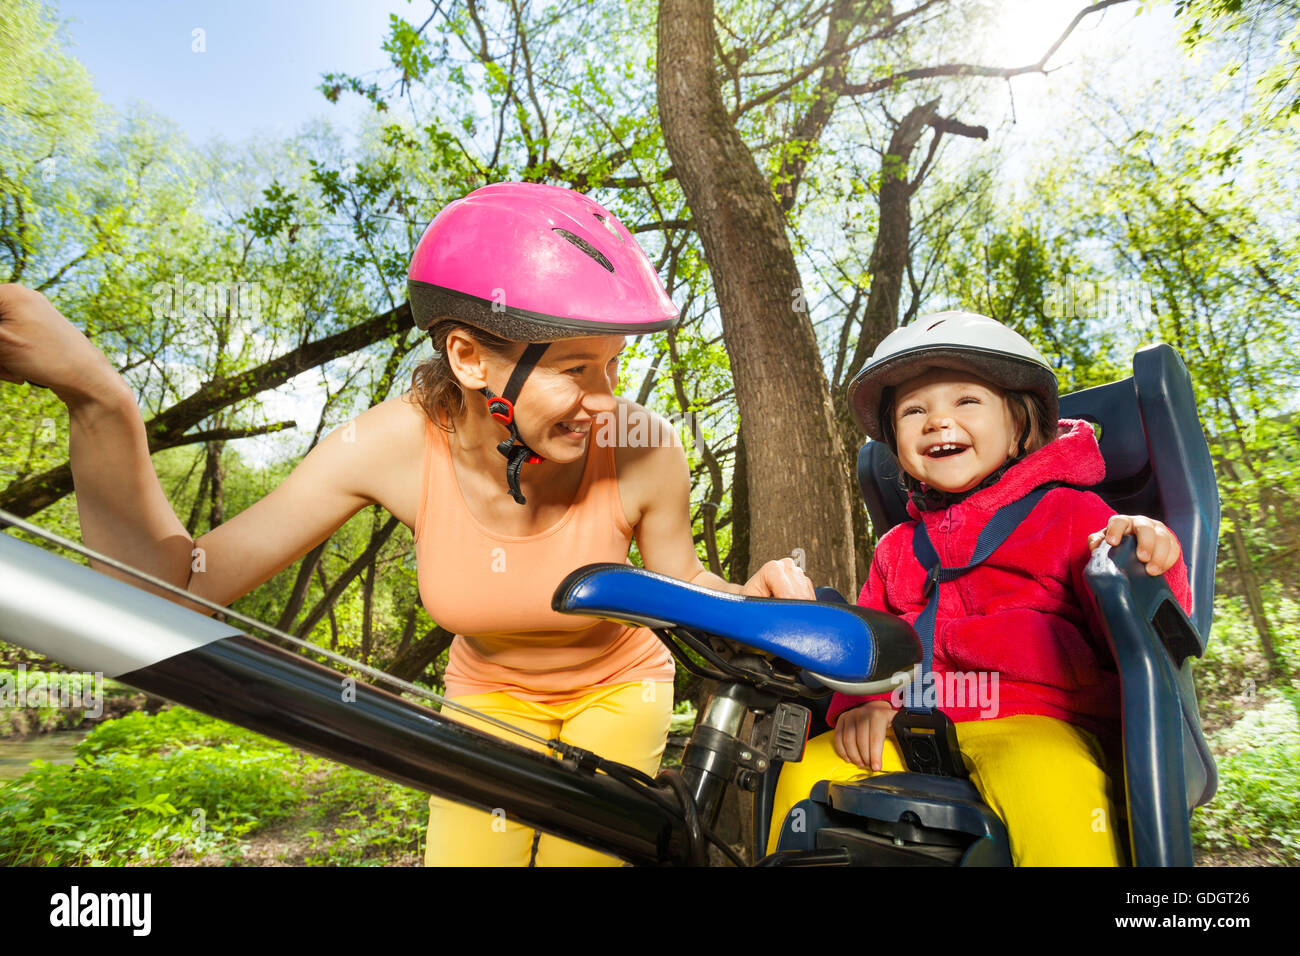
{"type": "Point", "coordinates": [1073, 458]}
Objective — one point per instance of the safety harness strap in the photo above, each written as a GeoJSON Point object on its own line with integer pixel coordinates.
{"type": "Point", "coordinates": [1004, 521]}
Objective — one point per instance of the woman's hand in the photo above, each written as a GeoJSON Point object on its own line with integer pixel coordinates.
{"type": "Point", "coordinates": [40, 346]}
{"type": "Point", "coordinates": [780, 579]}
{"type": "Point", "coordinates": [1156, 544]}
{"type": "Point", "coordinates": [860, 733]}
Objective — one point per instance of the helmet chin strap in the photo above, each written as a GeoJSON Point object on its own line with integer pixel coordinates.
{"type": "Point", "coordinates": [502, 408]}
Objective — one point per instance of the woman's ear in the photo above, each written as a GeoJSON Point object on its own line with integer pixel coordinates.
{"type": "Point", "coordinates": [466, 359]}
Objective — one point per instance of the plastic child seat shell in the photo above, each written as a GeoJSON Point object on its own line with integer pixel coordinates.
{"type": "Point", "coordinates": [909, 802]}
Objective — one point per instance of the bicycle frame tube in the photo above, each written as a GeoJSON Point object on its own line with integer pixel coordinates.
{"type": "Point", "coordinates": [94, 623]}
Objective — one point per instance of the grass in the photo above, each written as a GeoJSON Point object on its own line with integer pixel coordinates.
{"type": "Point", "coordinates": [180, 786]}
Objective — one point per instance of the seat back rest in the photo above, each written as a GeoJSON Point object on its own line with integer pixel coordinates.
{"type": "Point", "coordinates": [881, 485]}
{"type": "Point", "coordinates": [1157, 460]}
{"type": "Point", "coordinates": [1183, 469]}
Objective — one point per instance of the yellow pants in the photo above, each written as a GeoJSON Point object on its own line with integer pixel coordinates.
{"type": "Point", "coordinates": [624, 722]}
{"type": "Point", "coordinates": [1042, 776]}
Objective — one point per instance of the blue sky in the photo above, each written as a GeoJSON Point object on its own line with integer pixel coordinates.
{"type": "Point", "coordinates": [261, 62]}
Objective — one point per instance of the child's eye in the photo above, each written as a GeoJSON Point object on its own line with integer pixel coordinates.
{"type": "Point", "coordinates": [576, 370]}
{"type": "Point", "coordinates": [967, 398]}
{"type": "Point", "coordinates": [907, 411]}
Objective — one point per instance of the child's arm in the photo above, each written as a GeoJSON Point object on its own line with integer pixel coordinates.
{"type": "Point", "coordinates": [1091, 512]}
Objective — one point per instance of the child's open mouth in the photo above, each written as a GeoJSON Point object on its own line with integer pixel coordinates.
{"type": "Point", "coordinates": [946, 450]}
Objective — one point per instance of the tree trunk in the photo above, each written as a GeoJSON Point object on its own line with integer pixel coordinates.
{"type": "Point", "coordinates": [335, 590]}
{"type": "Point", "coordinates": [892, 248]}
{"type": "Point", "coordinates": [306, 568]}
{"type": "Point", "coordinates": [797, 493]}
{"type": "Point", "coordinates": [216, 485]}
{"type": "Point", "coordinates": [738, 556]}
{"type": "Point", "coordinates": [1254, 600]}
{"type": "Point", "coordinates": [411, 664]}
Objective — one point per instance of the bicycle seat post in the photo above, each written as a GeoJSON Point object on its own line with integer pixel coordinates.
{"type": "Point", "coordinates": [716, 756]}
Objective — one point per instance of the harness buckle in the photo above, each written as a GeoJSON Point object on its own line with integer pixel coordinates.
{"type": "Point", "coordinates": [928, 741]}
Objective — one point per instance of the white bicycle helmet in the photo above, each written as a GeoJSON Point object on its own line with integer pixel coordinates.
{"type": "Point", "coordinates": [959, 340]}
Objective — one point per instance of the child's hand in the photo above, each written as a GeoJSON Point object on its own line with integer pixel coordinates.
{"type": "Point", "coordinates": [860, 733]}
{"type": "Point", "coordinates": [1156, 544]}
{"type": "Point", "coordinates": [781, 579]}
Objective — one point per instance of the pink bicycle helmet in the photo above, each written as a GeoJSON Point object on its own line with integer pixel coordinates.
{"type": "Point", "coordinates": [533, 263]}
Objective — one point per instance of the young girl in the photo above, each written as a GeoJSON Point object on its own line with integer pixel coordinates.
{"type": "Point", "coordinates": [491, 459]}
{"type": "Point", "coordinates": [969, 408]}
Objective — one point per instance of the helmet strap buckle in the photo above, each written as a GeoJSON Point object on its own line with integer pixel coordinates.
{"type": "Point", "coordinates": [502, 408]}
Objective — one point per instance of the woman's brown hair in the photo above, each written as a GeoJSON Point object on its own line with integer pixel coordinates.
{"type": "Point", "coordinates": [434, 384]}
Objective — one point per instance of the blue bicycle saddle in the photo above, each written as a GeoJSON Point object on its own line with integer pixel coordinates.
{"type": "Point", "coordinates": [853, 649]}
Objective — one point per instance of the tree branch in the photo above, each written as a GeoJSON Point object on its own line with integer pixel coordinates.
{"type": "Point", "coordinates": [168, 428]}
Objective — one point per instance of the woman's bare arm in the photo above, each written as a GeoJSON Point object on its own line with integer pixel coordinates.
{"type": "Point", "coordinates": [374, 459]}
{"type": "Point", "coordinates": [124, 512]}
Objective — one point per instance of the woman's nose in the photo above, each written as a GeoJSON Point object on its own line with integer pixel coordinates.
{"type": "Point", "coordinates": [600, 397]}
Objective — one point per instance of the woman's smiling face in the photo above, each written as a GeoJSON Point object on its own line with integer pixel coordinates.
{"type": "Point", "coordinates": [572, 384]}
{"type": "Point", "coordinates": [953, 429]}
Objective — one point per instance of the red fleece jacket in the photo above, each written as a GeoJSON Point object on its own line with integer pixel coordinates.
{"type": "Point", "coordinates": [1025, 613]}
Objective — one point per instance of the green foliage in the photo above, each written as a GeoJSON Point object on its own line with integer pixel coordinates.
{"type": "Point", "coordinates": [144, 788]}
{"type": "Point", "coordinates": [1253, 729]}
{"type": "Point", "coordinates": [183, 786]}
{"type": "Point", "coordinates": [373, 821]}
{"type": "Point", "coordinates": [1255, 25]}
{"type": "Point", "coordinates": [50, 716]}
{"type": "Point", "coordinates": [1257, 804]}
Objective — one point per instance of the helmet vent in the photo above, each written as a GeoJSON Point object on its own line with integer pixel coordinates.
{"type": "Point", "coordinates": [608, 225]}
{"type": "Point", "coordinates": [936, 325]}
{"type": "Point", "coordinates": [586, 247]}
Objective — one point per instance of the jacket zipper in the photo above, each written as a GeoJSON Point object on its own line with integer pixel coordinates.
{"type": "Point", "coordinates": [944, 550]}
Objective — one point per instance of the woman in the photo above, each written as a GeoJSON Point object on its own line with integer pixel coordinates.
{"type": "Point", "coordinates": [527, 291]}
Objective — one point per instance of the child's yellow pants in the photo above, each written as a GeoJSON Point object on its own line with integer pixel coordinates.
{"type": "Point", "coordinates": [624, 722]}
{"type": "Point", "coordinates": [1042, 776]}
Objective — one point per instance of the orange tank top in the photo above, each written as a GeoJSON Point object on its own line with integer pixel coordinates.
{"type": "Point", "coordinates": [494, 590]}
